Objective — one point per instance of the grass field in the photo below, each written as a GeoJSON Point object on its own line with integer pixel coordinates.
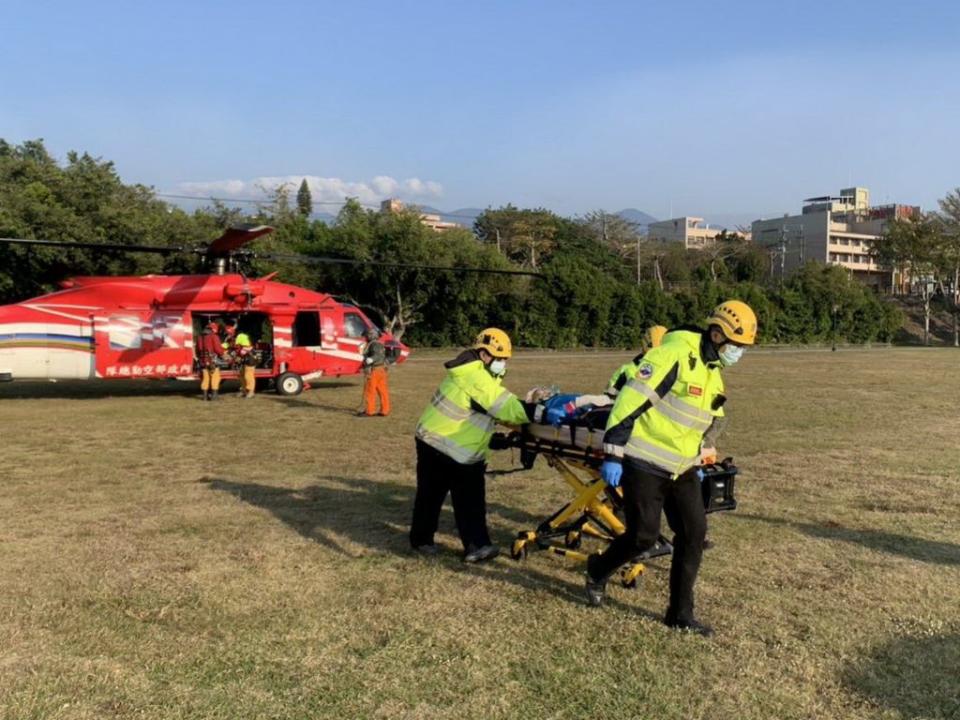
{"type": "Point", "coordinates": [161, 557]}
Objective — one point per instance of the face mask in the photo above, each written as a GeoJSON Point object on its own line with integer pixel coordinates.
{"type": "Point", "coordinates": [729, 354]}
{"type": "Point", "coordinates": [498, 367]}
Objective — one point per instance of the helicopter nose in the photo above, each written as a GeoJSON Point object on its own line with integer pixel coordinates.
{"type": "Point", "coordinates": [398, 350]}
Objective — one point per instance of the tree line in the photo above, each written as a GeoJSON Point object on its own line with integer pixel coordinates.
{"type": "Point", "coordinates": [924, 252]}
{"type": "Point", "coordinates": [603, 283]}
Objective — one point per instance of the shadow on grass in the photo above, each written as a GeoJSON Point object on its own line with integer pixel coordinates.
{"type": "Point", "coordinates": [366, 511]}
{"type": "Point", "coordinates": [918, 677]}
{"type": "Point", "coordinates": [375, 515]}
{"type": "Point", "coordinates": [98, 389]}
{"type": "Point", "coordinates": [324, 384]}
{"type": "Point", "coordinates": [929, 551]}
{"type": "Point", "coordinates": [296, 403]}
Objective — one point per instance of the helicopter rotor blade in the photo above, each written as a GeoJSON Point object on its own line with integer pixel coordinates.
{"type": "Point", "coordinates": [236, 237]}
{"type": "Point", "coordinates": [96, 246]}
{"type": "Point", "coordinates": [320, 260]}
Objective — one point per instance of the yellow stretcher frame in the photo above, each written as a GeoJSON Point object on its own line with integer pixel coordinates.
{"type": "Point", "coordinates": [591, 512]}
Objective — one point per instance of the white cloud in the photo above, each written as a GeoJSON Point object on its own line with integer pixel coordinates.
{"type": "Point", "coordinates": [385, 184]}
{"type": "Point", "coordinates": [323, 190]}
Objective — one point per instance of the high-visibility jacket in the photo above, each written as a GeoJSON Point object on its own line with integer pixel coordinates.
{"type": "Point", "coordinates": [460, 418]}
{"type": "Point", "coordinates": [661, 415]}
{"type": "Point", "coordinates": [622, 375]}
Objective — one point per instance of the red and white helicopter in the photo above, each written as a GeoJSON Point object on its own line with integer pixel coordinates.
{"type": "Point", "coordinates": [146, 326]}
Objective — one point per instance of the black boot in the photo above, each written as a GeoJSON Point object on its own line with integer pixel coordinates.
{"type": "Point", "coordinates": [692, 625]}
{"type": "Point", "coordinates": [596, 590]}
{"type": "Point", "coordinates": [481, 554]}
{"type": "Point", "coordinates": [214, 395]}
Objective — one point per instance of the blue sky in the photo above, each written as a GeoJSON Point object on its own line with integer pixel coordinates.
{"type": "Point", "coordinates": [717, 109]}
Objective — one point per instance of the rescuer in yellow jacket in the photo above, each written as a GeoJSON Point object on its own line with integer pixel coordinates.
{"type": "Point", "coordinates": [652, 448]}
{"type": "Point", "coordinates": [626, 372]}
{"type": "Point", "coordinates": [453, 441]}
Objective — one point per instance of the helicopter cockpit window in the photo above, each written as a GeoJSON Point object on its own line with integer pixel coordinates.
{"type": "Point", "coordinates": [306, 329]}
{"type": "Point", "coordinates": [353, 325]}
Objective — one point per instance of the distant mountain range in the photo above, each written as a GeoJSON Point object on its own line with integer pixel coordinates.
{"type": "Point", "coordinates": [466, 217]}
{"type": "Point", "coordinates": [638, 217]}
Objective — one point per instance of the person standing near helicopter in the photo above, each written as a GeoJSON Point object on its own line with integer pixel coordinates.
{"type": "Point", "coordinates": [375, 376]}
{"type": "Point", "coordinates": [209, 350]}
{"type": "Point", "coordinates": [246, 361]}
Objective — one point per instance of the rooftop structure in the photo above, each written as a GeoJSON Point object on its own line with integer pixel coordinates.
{"type": "Point", "coordinates": [431, 220]}
{"type": "Point", "coordinates": [690, 231]}
{"type": "Point", "coordinates": [832, 230]}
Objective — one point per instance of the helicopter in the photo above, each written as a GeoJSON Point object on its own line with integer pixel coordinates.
{"type": "Point", "coordinates": [146, 327]}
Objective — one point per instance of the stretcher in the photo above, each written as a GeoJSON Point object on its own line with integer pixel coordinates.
{"type": "Point", "coordinates": [574, 450]}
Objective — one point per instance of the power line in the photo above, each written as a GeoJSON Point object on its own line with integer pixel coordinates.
{"type": "Point", "coordinates": [245, 200]}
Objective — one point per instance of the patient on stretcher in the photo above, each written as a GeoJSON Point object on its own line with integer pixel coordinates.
{"type": "Point", "coordinates": [579, 420]}
{"type": "Point", "coordinates": [556, 408]}
{"type": "Point", "coordinates": [572, 419]}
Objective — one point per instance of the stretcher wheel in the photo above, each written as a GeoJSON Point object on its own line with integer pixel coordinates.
{"type": "Point", "coordinates": [518, 551]}
{"type": "Point", "coordinates": [573, 540]}
{"type": "Point", "coordinates": [630, 577]}
{"type": "Point", "coordinates": [527, 458]}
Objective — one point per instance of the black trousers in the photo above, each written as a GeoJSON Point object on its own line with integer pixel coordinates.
{"type": "Point", "coordinates": [645, 494]}
{"type": "Point", "coordinates": [438, 474]}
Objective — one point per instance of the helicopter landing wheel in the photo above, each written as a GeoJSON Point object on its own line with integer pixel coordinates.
{"type": "Point", "coordinates": [289, 384]}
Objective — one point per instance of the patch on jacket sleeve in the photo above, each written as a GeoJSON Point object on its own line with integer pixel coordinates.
{"type": "Point", "coordinates": [695, 390]}
{"type": "Point", "coordinates": [645, 371]}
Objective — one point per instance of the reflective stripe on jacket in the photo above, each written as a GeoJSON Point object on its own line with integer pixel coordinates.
{"type": "Point", "coordinates": [461, 416]}
{"type": "Point", "coordinates": [661, 414]}
{"type": "Point", "coordinates": [623, 374]}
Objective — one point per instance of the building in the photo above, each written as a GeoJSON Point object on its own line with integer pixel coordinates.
{"type": "Point", "coordinates": [831, 230]}
{"type": "Point", "coordinates": [690, 231]}
{"type": "Point", "coordinates": [431, 220]}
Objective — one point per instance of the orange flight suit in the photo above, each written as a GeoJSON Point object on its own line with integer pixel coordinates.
{"type": "Point", "coordinates": [374, 386]}
{"type": "Point", "coordinates": [375, 378]}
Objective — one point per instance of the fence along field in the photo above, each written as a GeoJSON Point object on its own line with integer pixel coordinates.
{"type": "Point", "coordinates": [167, 558]}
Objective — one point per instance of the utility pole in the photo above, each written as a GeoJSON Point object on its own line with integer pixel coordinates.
{"type": "Point", "coordinates": [833, 328]}
{"type": "Point", "coordinates": [638, 258]}
{"type": "Point", "coordinates": [498, 239]}
{"type": "Point", "coordinates": [783, 253]}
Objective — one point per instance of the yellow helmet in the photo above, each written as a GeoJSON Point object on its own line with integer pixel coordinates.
{"type": "Point", "coordinates": [495, 341]}
{"type": "Point", "coordinates": [736, 320]}
{"type": "Point", "coordinates": [655, 335]}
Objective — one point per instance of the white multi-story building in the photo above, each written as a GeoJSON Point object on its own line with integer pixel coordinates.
{"type": "Point", "coordinates": [431, 220]}
{"type": "Point", "coordinates": [691, 232]}
{"type": "Point", "coordinates": [831, 230]}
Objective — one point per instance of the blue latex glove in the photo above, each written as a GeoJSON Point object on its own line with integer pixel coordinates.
{"type": "Point", "coordinates": [611, 471]}
{"type": "Point", "coordinates": [556, 415]}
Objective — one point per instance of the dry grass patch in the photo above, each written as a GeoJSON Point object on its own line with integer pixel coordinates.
{"type": "Point", "coordinates": [161, 557]}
